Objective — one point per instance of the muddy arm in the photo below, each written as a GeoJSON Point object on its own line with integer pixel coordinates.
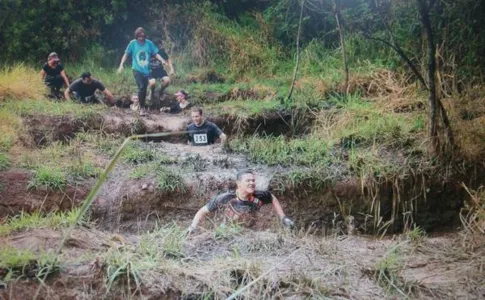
{"type": "Point", "coordinates": [108, 95]}
{"type": "Point", "coordinates": [198, 216]}
{"type": "Point", "coordinates": [277, 207]}
{"type": "Point", "coordinates": [67, 94]}
{"type": "Point", "coordinates": [223, 138]}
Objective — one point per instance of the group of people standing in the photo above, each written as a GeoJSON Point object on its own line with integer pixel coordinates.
{"type": "Point", "coordinates": [148, 60]}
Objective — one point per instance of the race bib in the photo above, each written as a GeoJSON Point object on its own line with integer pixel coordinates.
{"type": "Point", "coordinates": [200, 138]}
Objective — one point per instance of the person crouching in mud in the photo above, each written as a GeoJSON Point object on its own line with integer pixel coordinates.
{"type": "Point", "coordinates": [242, 204]}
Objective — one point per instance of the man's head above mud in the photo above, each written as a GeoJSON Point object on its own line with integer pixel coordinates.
{"type": "Point", "coordinates": [246, 182]}
{"type": "Point", "coordinates": [196, 115]}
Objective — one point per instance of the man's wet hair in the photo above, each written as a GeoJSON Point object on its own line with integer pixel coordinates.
{"type": "Point", "coordinates": [243, 172]}
{"type": "Point", "coordinates": [197, 109]}
{"type": "Point", "coordinates": [139, 31]}
{"type": "Point", "coordinates": [85, 75]}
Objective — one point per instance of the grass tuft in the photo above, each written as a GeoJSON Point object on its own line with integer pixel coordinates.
{"type": "Point", "coordinates": [19, 82]}
{"type": "Point", "coordinates": [4, 161]}
{"type": "Point", "coordinates": [47, 177]}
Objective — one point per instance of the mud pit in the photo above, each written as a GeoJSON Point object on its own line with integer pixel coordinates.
{"type": "Point", "coordinates": [215, 262]}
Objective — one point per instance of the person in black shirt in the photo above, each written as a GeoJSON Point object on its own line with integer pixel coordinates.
{"type": "Point", "coordinates": [84, 89]}
{"type": "Point", "coordinates": [242, 204]}
{"type": "Point", "coordinates": [179, 104]}
{"type": "Point", "coordinates": [54, 75]}
{"type": "Point", "coordinates": [202, 132]}
{"type": "Point", "coordinates": [158, 72]}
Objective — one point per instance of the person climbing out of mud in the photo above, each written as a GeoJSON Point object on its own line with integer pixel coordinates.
{"type": "Point", "coordinates": [203, 132]}
{"type": "Point", "coordinates": [141, 50]}
{"type": "Point", "coordinates": [54, 75]}
{"type": "Point", "coordinates": [179, 104]}
{"type": "Point", "coordinates": [242, 204]}
{"type": "Point", "coordinates": [84, 89]}
{"type": "Point", "coordinates": [157, 71]}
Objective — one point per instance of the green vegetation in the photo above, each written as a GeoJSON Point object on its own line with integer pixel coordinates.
{"type": "Point", "coordinates": [170, 181]}
{"type": "Point", "coordinates": [18, 263]}
{"type": "Point", "coordinates": [38, 220]}
{"type": "Point", "coordinates": [4, 161]}
{"type": "Point", "coordinates": [48, 177]}
{"type": "Point", "coordinates": [278, 150]}
{"type": "Point", "coordinates": [138, 153]}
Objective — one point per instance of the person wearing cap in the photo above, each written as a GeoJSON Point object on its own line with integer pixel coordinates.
{"type": "Point", "coordinates": [157, 71]}
{"type": "Point", "coordinates": [242, 204]}
{"type": "Point", "coordinates": [141, 50]}
{"type": "Point", "coordinates": [84, 89]}
{"type": "Point", "coordinates": [179, 104]}
{"type": "Point", "coordinates": [203, 132]}
{"type": "Point", "coordinates": [54, 75]}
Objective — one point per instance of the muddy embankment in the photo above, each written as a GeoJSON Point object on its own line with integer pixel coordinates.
{"type": "Point", "coordinates": [432, 199]}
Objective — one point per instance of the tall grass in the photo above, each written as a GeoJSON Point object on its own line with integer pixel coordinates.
{"type": "Point", "coordinates": [20, 82]}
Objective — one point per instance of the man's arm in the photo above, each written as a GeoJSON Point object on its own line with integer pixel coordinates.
{"type": "Point", "coordinates": [42, 73]}
{"type": "Point", "coordinates": [279, 211]}
{"type": "Point", "coordinates": [160, 58]}
{"type": "Point", "coordinates": [108, 95]}
{"type": "Point", "coordinates": [172, 69]}
{"type": "Point", "coordinates": [66, 81]}
{"type": "Point", "coordinates": [123, 59]}
{"type": "Point", "coordinates": [67, 94]}
{"type": "Point", "coordinates": [203, 211]}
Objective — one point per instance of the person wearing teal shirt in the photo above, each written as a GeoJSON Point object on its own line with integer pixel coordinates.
{"type": "Point", "coordinates": [141, 50]}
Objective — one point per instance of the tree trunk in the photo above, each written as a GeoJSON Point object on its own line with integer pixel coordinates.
{"type": "Point", "coordinates": [423, 8]}
{"type": "Point", "coordinates": [297, 54]}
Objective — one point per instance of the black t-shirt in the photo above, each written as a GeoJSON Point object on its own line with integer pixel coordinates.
{"type": "Point", "coordinates": [203, 135]}
{"type": "Point", "coordinates": [176, 108]}
{"type": "Point", "coordinates": [233, 206]}
{"type": "Point", "coordinates": [86, 90]}
{"type": "Point", "coordinates": [50, 72]}
{"type": "Point", "coordinates": [155, 63]}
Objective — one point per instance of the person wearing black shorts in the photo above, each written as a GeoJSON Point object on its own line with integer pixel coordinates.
{"type": "Point", "coordinates": [157, 71]}
{"type": "Point", "coordinates": [242, 204]}
{"type": "Point", "coordinates": [84, 89]}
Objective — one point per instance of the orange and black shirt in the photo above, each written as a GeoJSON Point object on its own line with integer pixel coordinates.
{"type": "Point", "coordinates": [234, 207]}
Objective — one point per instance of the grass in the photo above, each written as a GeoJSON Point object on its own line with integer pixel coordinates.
{"type": "Point", "coordinates": [24, 263]}
{"type": "Point", "coordinates": [137, 152]}
{"type": "Point", "coordinates": [38, 220]}
{"type": "Point", "coordinates": [10, 126]}
{"type": "Point", "coordinates": [42, 106]}
{"type": "Point", "coordinates": [20, 82]}
{"type": "Point", "coordinates": [4, 161]}
{"type": "Point", "coordinates": [170, 181]}
{"type": "Point", "coordinates": [48, 178]}
{"type": "Point", "coordinates": [307, 151]}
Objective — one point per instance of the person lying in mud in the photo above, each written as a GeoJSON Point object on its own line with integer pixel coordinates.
{"type": "Point", "coordinates": [242, 204]}
{"type": "Point", "coordinates": [84, 89]}
{"type": "Point", "coordinates": [54, 75]}
{"type": "Point", "coordinates": [202, 132]}
{"type": "Point", "coordinates": [179, 104]}
{"type": "Point", "coordinates": [158, 72]}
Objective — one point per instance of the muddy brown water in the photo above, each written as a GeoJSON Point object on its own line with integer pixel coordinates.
{"type": "Point", "coordinates": [425, 199]}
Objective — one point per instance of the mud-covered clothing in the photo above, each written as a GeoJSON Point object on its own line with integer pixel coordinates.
{"type": "Point", "coordinates": [176, 107]}
{"type": "Point", "coordinates": [53, 77]}
{"type": "Point", "coordinates": [237, 209]}
{"type": "Point", "coordinates": [85, 91]}
{"type": "Point", "coordinates": [156, 67]}
{"type": "Point", "coordinates": [203, 135]}
{"type": "Point", "coordinates": [141, 55]}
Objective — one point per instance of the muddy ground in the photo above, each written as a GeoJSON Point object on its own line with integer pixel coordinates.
{"type": "Point", "coordinates": [286, 266]}
{"type": "Point", "coordinates": [318, 261]}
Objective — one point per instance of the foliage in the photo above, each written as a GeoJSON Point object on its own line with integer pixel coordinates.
{"type": "Point", "coordinates": [19, 82]}
{"type": "Point", "coordinates": [279, 150]}
{"type": "Point", "coordinates": [48, 177]}
{"type": "Point", "coordinates": [170, 181]}
{"type": "Point", "coordinates": [38, 220]}
{"type": "Point", "coordinates": [4, 161]}
{"type": "Point", "coordinates": [137, 153]}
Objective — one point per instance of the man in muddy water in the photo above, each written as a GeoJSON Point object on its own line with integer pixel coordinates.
{"type": "Point", "coordinates": [242, 204]}
{"type": "Point", "coordinates": [141, 50]}
{"type": "Point", "coordinates": [203, 132]}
